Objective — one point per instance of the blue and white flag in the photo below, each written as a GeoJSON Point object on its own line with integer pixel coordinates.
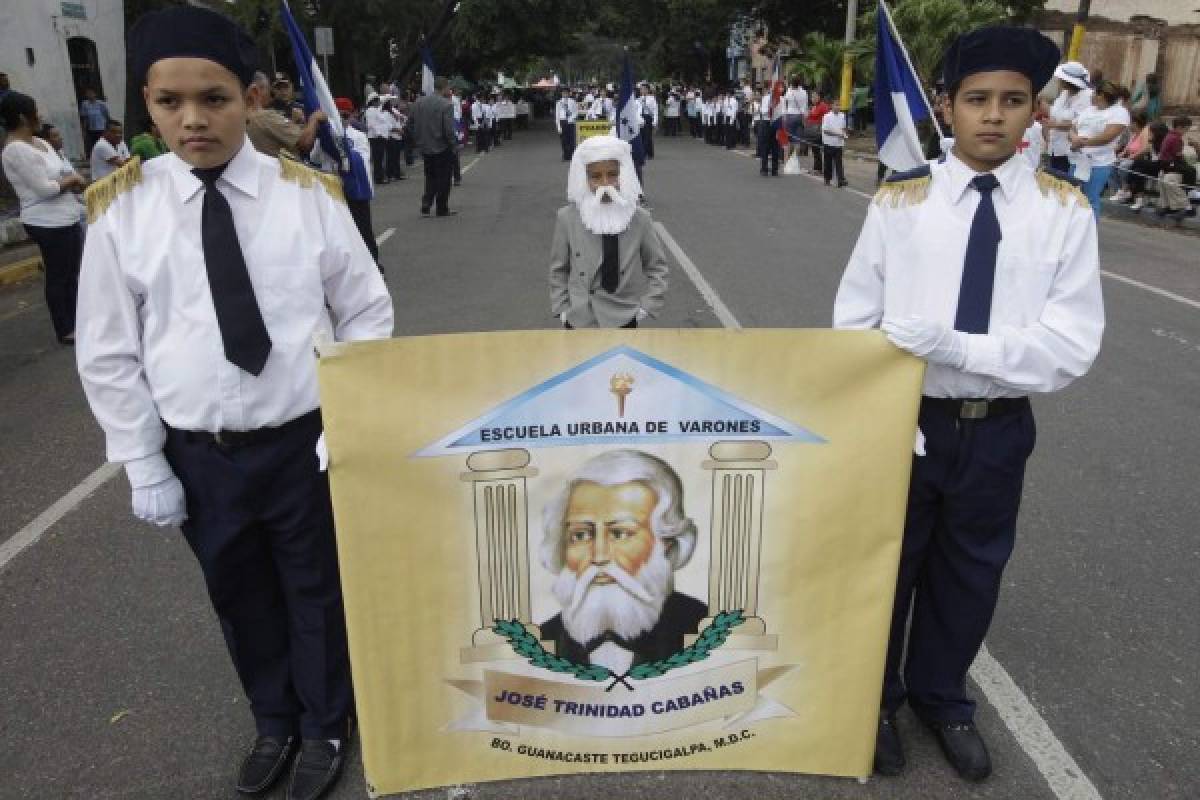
{"type": "Point", "coordinates": [899, 100]}
{"type": "Point", "coordinates": [629, 114]}
{"type": "Point", "coordinates": [427, 70]}
{"type": "Point", "coordinates": [356, 183]}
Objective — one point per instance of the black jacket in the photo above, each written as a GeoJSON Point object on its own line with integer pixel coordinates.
{"type": "Point", "coordinates": [681, 615]}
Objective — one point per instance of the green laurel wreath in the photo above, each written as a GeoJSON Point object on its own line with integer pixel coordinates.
{"type": "Point", "coordinates": [526, 645]}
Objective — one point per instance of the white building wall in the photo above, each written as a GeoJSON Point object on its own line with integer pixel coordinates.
{"type": "Point", "coordinates": [1174, 12]}
{"type": "Point", "coordinates": [41, 26]}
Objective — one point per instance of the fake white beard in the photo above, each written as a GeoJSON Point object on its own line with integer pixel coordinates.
{"type": "Point", "coordinates": [602, 218]}
{"type": "Point", "coordinates": [628, 607]}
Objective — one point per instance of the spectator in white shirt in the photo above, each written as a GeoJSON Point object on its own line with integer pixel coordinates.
{"type": "Point", "coordinates": [379, 127]}
{"type": "Point", "coordinates": [110, 152]}
{"type": "Point", "coordinates": [46, 188]}
{"type": "Point", "coordinates": [1094, 141]}
{"type": "Point", "coordinates": [833, 141]}
{"type": "Point", "coordinates": [795, 108]}
{"type": "Point", "coordinates": [1074, 97]}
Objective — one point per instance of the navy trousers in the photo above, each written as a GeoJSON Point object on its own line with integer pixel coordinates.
{"type": "Point", "coordinates": [260, 523]}
{"type": "Point", "coordinates": [958, 535]}
{"type": "Point", "coordinates": [567, 137]}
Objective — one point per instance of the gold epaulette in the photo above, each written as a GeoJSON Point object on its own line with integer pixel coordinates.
{"type": "Point", "coordinates": [296, 172]}
{"type": "Point", "coordinates": [101, 194]}
{"type": "Point", "coordinates": [908, 192]}
{"type": "Point", "coordinates": [1061, 188]}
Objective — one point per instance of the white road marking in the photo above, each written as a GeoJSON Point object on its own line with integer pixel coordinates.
{"type": "Point", "coordinates": [383, 237]}
{"type": "Point", "coordinates": [63, 506]}
{"type": "Point", "coordinates": [1031, 731]}
{"type": "Point", "coordinates": [467, 168]}
{"type": "Point", "coordinates": [1064, 776]}
{"type": "Point", "coordinates": [1187, 301]}
{"type": "Point", "coordinates": [706, 291]}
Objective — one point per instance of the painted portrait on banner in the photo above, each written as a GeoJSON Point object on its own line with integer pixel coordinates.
{"type": "Point", "coordinates": [636, 555]}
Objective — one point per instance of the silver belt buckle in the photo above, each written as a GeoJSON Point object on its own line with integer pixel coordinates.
{"type": "Point", "coordinates": [973, 409]}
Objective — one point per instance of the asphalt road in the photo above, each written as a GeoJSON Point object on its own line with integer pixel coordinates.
{"type": "Point", "coordinates": [115, 679]}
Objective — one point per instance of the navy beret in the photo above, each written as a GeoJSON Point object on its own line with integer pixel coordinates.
{"type": "Point", "coordinates": [1001, 48]}
{"type": "Point", "coordinates": [191, 32]}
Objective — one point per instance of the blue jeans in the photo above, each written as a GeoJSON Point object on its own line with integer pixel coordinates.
{"type": "Point", "coordinates": [1094, 185]}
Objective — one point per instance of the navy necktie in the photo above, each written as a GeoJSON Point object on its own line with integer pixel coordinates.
{"type": "Point", "coordinates": [243, 332]}
{"type": "Point", "coordinates": [610, 267]}
{"type": "Point", "coordinates": [979, 265]}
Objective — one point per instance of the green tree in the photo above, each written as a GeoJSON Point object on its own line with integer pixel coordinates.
{"type": "Point", "coordinates": [820, 62]}
{"type": "Point", "coordinates": [929, 26]}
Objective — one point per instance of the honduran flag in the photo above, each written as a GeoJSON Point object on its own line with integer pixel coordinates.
{"type": "Point", "coordinates": [775, 107]}
{"type": "Point", "coordinates": [427, 70]}
{"type": "Point", "coordinates": [629, 114]}
{"type": "Point", "coordinates": [356, 183]}
{"type": "Point", "coordinates": [899, 101]}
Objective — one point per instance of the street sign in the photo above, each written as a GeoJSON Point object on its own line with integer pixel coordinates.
{"type": "Point", "coordinates": [324, 37]}
{"type": "Point", "coordinates": [74, 10]}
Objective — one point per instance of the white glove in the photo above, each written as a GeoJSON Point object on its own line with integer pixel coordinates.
{"type": "Point", "coordinates": [641, 314]}
{"type": "Point", "coordinates": [157, 493]}
{"type": "Point", "coordinates": [322, 453]}
{"type": "Point", "coordinates": [929, 340]}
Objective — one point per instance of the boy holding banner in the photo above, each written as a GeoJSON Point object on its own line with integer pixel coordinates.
{"type": "Point", "coordinates": [988, 271]}
{"type": "Point", "coordinates": [195, 350]}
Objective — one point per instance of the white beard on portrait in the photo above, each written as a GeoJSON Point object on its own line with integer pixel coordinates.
{"type": "Point", "coordinates": [629, 607]}
{"type": "Point", "coordinates": [609, 217]}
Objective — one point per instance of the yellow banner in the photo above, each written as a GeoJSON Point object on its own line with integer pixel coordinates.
{"type": "Point", "coordinates": [585, 129]}
{"type": "Point", "coordinates": [612, 550]}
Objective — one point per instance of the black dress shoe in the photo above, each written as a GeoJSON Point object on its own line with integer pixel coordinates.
{"type": "Point", "coordinates": [317, 769]}
{"type": "Point", "coordinates": [424, 212]}
{"type": "Point", "coordinates": [889, 753]}
{"type": "Point", "coordinates": [449, 213]}
{"type": "Point", "coordinates": [964, 749]}
{"type": "Point", "coordinates": [264, 764]}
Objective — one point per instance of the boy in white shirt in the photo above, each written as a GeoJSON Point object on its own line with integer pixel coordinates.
{"type": "Point", "coordinates": [833, 141]}
{"type": "Point", "coordinates": [109, 153]}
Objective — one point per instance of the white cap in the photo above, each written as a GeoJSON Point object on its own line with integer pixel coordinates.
{"type": "Point", "coordinates": [1073, 73]}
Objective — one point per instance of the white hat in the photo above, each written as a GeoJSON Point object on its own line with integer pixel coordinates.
{"type": "Point", "coordinates": [1074, 73]}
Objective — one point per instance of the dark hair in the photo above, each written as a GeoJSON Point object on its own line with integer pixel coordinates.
{"type": "Point", "coordinates": [113, 123]}
{"type": "Point", "coordinates": [387, 105]}
{"type": "Point", "coordinates": [16, 106]}
{"type": "Point", "coordinates": [1182, 123]}
{"type": "Point", "coordinates": [46, 128]}
{"type": "Point", "coordinates": [1158, 132]}
{"type": "Point", "coordinates": [1109, 91]}
{"type": "Point", "coordinates": [1140, 118]}
{"type": "Point", "coordinates": [796, 83]}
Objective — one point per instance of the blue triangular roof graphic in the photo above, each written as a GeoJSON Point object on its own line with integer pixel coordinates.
{"type": "Point", "coordinates": [578, 407]}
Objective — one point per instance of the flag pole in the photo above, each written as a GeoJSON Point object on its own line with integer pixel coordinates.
{"type": "Point", "coordinates": [904, 51]}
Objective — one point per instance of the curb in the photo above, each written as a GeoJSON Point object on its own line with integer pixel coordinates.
{"type": "Point", "coordinates": [20, 270]}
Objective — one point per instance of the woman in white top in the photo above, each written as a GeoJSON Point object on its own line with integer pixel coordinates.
{"type": "Point", "coordinates": [1094, 141]}
{"type": "Point", "coordinates": [1074, 97]}
{"type": "Point", "coordinates": [46, 187]}
{"type": "Point", "coordinates": [795, 109]}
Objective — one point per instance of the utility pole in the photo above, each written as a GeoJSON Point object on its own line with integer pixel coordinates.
{"type": "Point", "coordinates": [1085, 6]}
{"type": "Point", "coordinates": [847, 58]}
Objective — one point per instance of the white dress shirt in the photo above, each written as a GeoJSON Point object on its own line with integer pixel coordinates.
{"type": "Point", "coordinates": [731, 107]}
{"type": "Point", "coordinates": [148, 346]}
{"type": "Point", "coordinates": [566, 110]}
{"type": "Point", "coordinates": [795, 101]}
{"type": "Point", "coordinates": [379, 122]}
{"type": "Point", "coordinates": [102, 151]}
{"type": "Point", "coordinates": [1047, 314]}
{"type": "Point", "coordinates": [833, 129]}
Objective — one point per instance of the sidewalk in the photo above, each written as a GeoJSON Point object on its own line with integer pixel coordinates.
{"type": "Point", "coordinates": [862, 147]}
{"type": "Point", "coordinates": [19, 258]}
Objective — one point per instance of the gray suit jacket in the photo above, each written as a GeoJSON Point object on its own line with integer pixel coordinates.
{"type": "Point", "coordinates": [432, 125]}
{"type": "Point", "coordinates": [575, 258]}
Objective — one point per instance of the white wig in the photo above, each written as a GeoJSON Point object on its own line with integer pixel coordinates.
{"type": "Point", "coordinates": [602, 148]}
{"type": "Point", "coordinates": [615, 467]}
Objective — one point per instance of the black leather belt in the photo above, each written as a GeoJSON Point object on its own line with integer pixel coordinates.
{"type": "Point", "coordinates": [233, 440]}
{"type": "Point", "coordinates": [972, 408]}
